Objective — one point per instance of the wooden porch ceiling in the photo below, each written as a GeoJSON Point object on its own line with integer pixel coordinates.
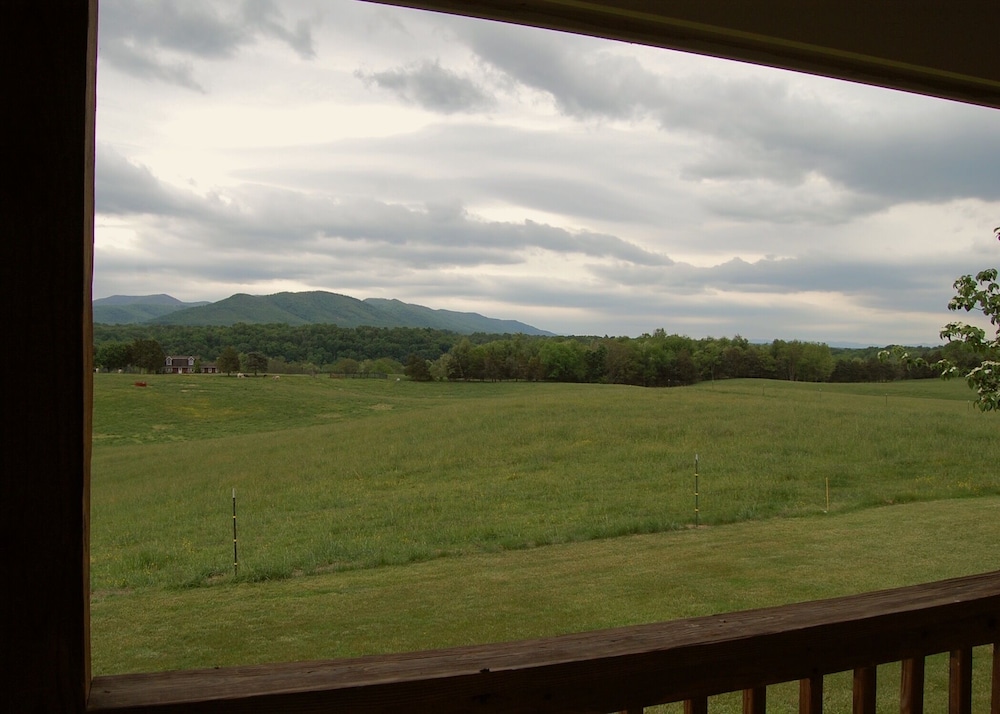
{"type": "Point", "coordinates": [933, 47]}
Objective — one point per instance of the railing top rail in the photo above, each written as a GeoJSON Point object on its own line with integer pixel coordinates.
{"type": "Point", "coordinates": [603, 670]}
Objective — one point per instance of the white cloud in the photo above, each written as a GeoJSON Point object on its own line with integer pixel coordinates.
{"type": "Point", "coordinates": [578, 185]}
{"type": "Point", "coordinates": [432, 86]}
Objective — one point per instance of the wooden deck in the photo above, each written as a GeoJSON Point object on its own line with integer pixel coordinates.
{"type": "Point", "coordinates": [624, 669]}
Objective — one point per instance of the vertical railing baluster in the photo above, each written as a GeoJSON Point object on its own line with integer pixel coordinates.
{"type": "Point", "coordinates": [865, 680]}
{"type": "Point", "coordinates": [960, 681]}
{"type": "Point", "coordinates": [698, 705]}
{"type": "Point", "coordinates": [811, 695]}
{"type": "Point", "coordinates": [755, 700]}
{"type": "Point", "coordinates": [911, 686]}
{"type": "Point", "coordinates": [995, 699]}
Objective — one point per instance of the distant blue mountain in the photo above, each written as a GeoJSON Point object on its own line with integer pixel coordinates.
{"type": "Point", "coordinates": [133, 309]}
{"type": "Point", "coordinates": [303, 308]}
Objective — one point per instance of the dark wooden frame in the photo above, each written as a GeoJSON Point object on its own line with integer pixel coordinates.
{"type": "Point", "coordinates": [49, 60]}
{"type": "Point", "coordinates": [934, 48]}
{"type": "Point", "coordinates": [49, 64]}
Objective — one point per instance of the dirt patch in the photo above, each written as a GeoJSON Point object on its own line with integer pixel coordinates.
{"type": "Point", "coordinates": [329, 568]}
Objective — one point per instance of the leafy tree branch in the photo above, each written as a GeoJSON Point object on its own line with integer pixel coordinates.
{"type": "Point", "coordinates": [979, 293]}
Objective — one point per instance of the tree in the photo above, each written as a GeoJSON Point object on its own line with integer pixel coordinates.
{"type": "Point", "coordinates": [386, 365]}
{"type": "Point", "coordinates": [256, 362]}
{"type": "Point", "coordinates": [228, 361]}
{"type": "Point", "coordinates": [466, 361]}
{"type": "Point", "coordinates": [114, 355]}
{"type": "Point", "coordinates": [815, 362]}
{"type": "Point", "coordinates": [622, 362]}
{"type": "Point", "coordinates": [416, 369]}
{"type": "Point", "coordinates": [439, 367]}
{"type": "Point", "coordinates": [147, 355]}
{"type": "Point", "coordinates": [562, 360]}
{"type": "Point", "coordinates": [981, 293]}
{"type": "Point", "coordinates": [346, 365]}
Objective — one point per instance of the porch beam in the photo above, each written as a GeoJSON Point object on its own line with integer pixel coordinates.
{"type": "Point", "coordinates": [909, 46]}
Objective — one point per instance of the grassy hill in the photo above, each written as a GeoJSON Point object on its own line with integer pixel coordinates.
{"type": "Point", "coordinates": [355, 474]}
{"type": "Point", "coordinates": [380, 516]}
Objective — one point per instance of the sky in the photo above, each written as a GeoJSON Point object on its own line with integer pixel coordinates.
{"type": "Point", "coordinates": [582, 186]}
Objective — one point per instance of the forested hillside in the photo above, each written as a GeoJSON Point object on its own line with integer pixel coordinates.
{"type": "Point", "coordinates": [307, 308]}
{"type": "Point", "coordinates": [127, 309]}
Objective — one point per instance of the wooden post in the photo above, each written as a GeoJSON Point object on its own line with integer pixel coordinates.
{"type": "Point", "coordinates": [236, 560]}
{"type": "Point", "coordinates": [755, 700]}
{"type": "Point", "coordinates": [811, 695]}
{"type": "Point", "coordinates": [960, 681]}
{"type": "Point", "coordinates": [696, 706]}
{"type": "Point", "coordinates": [696, 490]}
{"type": "Point", "coordinates": [995, 699]}
{"type": "Point", "coordinates": [865, 680]}
{"type": "Point", "coordinates": [911, 686]}
{"type": "Point", "coordinates": [49, 64]}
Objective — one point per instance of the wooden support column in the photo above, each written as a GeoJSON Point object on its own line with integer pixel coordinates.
{"type": "Point", "coordinates": [865, 681]}
{"type": "Point", "coordinates": [49, 62]}
{"type": "Point", "coordinates": [696, 706]}
{"type": "Point", "coordinates": [755, 700]}
{"type": "Point", "coordinates": [960, 681]}
{"type": "Point", "coordinates": [911, 686]}
{"type": "Point", "coordinates": [811, 695]}
{"type": "Point", "coordinates": [995, 698]}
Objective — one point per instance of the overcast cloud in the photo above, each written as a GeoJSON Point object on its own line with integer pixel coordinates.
{"type": "Point", "coordinates": [582, 186]}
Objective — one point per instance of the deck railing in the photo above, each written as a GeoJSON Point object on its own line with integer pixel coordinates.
{"type": "Point", "coordinates": [623, 669]}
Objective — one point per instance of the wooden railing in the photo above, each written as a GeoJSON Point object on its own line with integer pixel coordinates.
{"type": "Point", "coordinates": [624, 669]}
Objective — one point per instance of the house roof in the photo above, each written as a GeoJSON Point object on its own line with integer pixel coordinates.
{"type": "Point", "coordinates": [936, 48]}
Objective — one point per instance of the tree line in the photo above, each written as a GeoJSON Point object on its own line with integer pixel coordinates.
{"type": "Point", "coordinates": [655, 359]}
{"type": "Point", "coordinates": [315, 345]}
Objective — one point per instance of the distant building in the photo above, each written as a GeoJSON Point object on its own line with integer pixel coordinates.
{"type": "Point", "coordinates": [186, 365]}
{"type": "Point", "coordinates": [179, 365]}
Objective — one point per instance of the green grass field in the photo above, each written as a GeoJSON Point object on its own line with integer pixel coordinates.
{"type": "Point", "coordinates": [379, 516]}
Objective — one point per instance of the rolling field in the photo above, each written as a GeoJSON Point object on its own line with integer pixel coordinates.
{"type": "Point", "coordinates": [379, 516]}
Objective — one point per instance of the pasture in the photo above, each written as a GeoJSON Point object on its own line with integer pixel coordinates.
{"type": "Point", "coordinates": [381, 516]}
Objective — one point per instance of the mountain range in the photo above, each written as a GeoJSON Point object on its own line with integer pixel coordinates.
{"type": "Point", "coordinates": [316, 307]}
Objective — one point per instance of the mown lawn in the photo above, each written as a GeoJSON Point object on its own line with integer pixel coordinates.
{"type": "Point", "coordinates": [380, 516]}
